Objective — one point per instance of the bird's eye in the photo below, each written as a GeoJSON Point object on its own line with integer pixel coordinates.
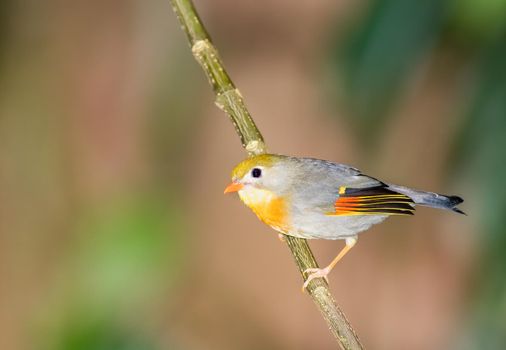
{"type": "Point", "coordinates": [256, 172]}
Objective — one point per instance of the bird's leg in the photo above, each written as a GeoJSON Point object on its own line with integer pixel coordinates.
{"type": "Point", "coordinates": [322, 273]}
{"type": "Point", "coordinates": [281, 237]}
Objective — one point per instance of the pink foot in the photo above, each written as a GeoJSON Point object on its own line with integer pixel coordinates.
{"type": "Point", "coordinates": [315, 273]}
{"type": "Point", "coordinates": [281, 237]}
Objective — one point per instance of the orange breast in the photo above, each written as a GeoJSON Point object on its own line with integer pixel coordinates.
{"type": "Point", "coordinates": [272, 213]}
{"type": "Point", "coordinates": [270, 209]}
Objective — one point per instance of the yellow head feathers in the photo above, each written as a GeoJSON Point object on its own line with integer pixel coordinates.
{"type": "Point", "coordinates": [265, 160]}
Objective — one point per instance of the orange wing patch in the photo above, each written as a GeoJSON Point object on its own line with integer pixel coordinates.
{"type": "Point", "coordinates": [372, 201]}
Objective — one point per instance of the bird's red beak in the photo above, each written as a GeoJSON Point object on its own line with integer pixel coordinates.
{"type": "Point", "coordinates": [233, 187]}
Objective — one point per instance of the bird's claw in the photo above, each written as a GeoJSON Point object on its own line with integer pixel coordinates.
{"type": "Point", "coordinates": [315, 273]}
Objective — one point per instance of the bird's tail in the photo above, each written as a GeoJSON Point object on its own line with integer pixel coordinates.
{"type": "Point", "coordinates": [431, 199]}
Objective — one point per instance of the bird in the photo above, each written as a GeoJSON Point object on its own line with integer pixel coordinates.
{"type": "Point", "coordinates": [318, 199]}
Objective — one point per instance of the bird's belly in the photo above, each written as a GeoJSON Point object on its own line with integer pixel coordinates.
{"type": "Point", "coordinates": [321, 226]}
{"type": "Point", "coordinates": [304, 222]}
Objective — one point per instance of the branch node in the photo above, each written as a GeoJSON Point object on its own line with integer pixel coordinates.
{"type": "Point", "coordinates": [200, 46]}
{"type": "Point", "coordinates": [253, 146]}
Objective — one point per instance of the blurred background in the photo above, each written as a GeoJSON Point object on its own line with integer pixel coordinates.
{"type": "Point", "coordinates": [114, 230]}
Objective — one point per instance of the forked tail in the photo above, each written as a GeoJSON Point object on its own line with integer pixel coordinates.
{"type": "Point", "coordinates": [430, 199]}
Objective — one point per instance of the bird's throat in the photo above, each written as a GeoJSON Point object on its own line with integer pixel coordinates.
{"type": "Point", "coordinates": [268, 207]}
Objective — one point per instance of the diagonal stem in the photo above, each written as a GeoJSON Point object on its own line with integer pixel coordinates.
{"type": "Point", "coordinates": [229, 99]}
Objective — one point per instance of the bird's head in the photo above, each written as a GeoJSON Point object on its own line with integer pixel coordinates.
{"type": "Point", "coordinates": [266, 172]}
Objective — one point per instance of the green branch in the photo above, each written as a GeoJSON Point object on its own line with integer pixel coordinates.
{"type": "Point", "coordinates": [231, 102]}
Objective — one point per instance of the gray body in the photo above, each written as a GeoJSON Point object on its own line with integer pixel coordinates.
{"type": "Point", "coordinates": [314, 187]}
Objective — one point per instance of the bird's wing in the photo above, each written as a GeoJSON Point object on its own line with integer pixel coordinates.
{"type": "Point", "coordinates": [375, 200]}
{"type": "Point", "coordinates": [339, 189]}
